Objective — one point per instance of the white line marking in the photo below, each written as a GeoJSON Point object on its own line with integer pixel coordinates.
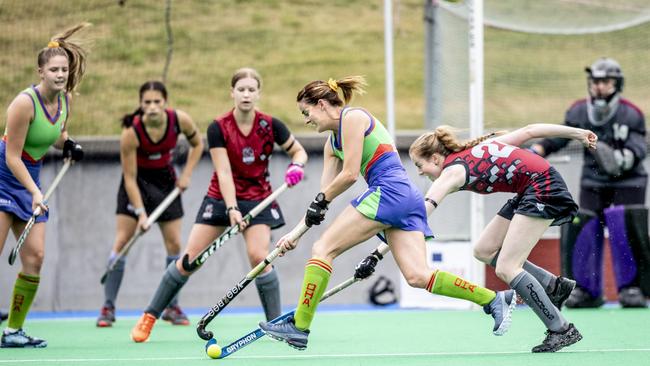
{"type": "Point", "coordinates": [352, 355]}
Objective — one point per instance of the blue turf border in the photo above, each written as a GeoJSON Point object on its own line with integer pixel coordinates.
{"type": "Point", "coordinates": [243, 310]}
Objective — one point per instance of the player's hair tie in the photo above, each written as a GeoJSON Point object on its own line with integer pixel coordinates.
{"type": "Point", "coordinates": [53, 44]}
{"type": "Point", "coordinates": [333, 85]}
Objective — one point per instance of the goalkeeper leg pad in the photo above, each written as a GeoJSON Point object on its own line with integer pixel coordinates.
{"type": "Point", "coordinates": [630, 245]}
{"type": "Point", "coordinates": [581, 248]}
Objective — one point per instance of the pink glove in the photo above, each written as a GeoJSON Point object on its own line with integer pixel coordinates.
{"type": "Point", "coordinates": [294, 174]}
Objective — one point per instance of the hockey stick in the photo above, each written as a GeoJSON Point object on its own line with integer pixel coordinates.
{"type": "Point", "coordinates": [150, 220]}
{"type": "Point", "coordinates": [250, 276]}
{"type": "Point", "coordinates": [229, 232]}
{"type": "Point", "coordinates": [258, 333]}
{"type": "Point", "coordinates": [37, 212]}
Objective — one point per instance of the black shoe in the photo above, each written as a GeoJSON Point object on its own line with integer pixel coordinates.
{"type": "Point", "coordinates": [555, 341]}
{"type": "Point", "coordinates": [580, 298]}
{"type": "Point", "coordinates": [18, 339]}
{"type": "Point", "coordinates": [286, 331]}
{"type": "Point", "coordinates": [632, 297]}
{"type": "Point", "coordinates": [106, 317]}
{"type": "Point", "coordinates": [563, 289]}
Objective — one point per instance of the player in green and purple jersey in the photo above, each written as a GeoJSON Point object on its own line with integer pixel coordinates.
{"type": "Point", "coordinates": [391, 207]}
{"type": "Point", "coordinates": [36, 120]}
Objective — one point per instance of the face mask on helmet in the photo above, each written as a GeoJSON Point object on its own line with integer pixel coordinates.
{"type": "Point", "coordinates": [604, 83]}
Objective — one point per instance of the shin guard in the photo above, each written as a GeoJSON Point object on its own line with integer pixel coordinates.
{"type": "Point", "coordinates": [581, 248]}
{"type": "Point", "coordinates": [172, 259]}
{"type": "Point", "coordinates": [171, 283]}
{"type": "Point", "coordinates": [268, 287]}
{"type": "Point", "coordinates": [317, 275]}
{"type": "Point", "coordinates": [113, 281]}
{"type": "Point", "coordinates": [21, 301]}
{"type": "Point", "coordinates": [630, 245]}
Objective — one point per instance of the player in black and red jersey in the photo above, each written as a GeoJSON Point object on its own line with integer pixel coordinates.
{"type": "Point", "coordinates": [148, 137]}
{"type": "Point", "coordinates": [240, 144]}
{"type": "Point", "coordinates": [494, 163]}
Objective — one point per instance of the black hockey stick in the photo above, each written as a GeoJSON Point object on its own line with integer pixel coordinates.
{"type": "Point", "coordinates": [233, 292]}
{"type": "Point", "coordinates": [365, 268]}
{"type": "Point", "coordinates": [228, 233]}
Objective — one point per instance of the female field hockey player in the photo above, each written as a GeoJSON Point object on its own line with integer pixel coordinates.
{"type": "Point", "coordinates": [149, 135]}
{"type": "Point", "coordinates": [391, 206]}
{"type": "Point", "coordinates": [36, 119]}
{"type": "Point", "coordinates": [485, 165]}
{"type": "Point", "coordinates": [240, 144]}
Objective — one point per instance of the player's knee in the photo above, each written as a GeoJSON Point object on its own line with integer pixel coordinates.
{"type": "Point", "coordinates": [415, 279]}
{"type": "Point", "coordinates": [504, 272]}
{"type": "Point", "coordinates": [322, 249]}
{"type": "Point", "coordinates": [483, 255]}
{"type": "Point", "coordinates": [173, 248]}
{"type": "Point", "coordinates": [256, 258]}
{"type": "Point", "coordinates": [33, 260]}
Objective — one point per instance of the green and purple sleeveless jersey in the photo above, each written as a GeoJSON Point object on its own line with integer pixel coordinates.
{"type": "Point", "coordinates": [378, 148]}
{"type": "Point", "coordinates": [44, 129]}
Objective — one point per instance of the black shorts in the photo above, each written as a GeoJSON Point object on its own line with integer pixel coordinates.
{"type": "Point", "coordinates": [155, 185]}
{"type": "Point", "coordinates": [547, 197]}
{"type": "Point", "coordinates": [213, 212]}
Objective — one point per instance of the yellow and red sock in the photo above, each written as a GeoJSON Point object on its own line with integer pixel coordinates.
{"type": "Point", "coordinates": [23, 295]}
{"type": "Point", "coordinates": [448, 284]}
{"type": "Point", "coordinates": [317, 275]}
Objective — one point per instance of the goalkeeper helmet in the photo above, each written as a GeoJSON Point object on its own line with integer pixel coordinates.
{"type": "Point", "coordinates": [602, 107]}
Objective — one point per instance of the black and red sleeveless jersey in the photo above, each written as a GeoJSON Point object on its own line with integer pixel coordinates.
{"type": "Point", "coordinates": [248, 155]}
{"type": "Point", "coordinates": [493, 166]}
{"type": "Point", "coordinates": [156, 155]}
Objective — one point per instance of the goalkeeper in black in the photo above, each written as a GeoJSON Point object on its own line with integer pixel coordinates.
{"type": "Point", "coordinates": [612, 193]}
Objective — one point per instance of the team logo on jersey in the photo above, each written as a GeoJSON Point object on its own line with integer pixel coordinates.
{"type": "Point", "coordinates": [207, 212]}
{"type": "Point", "coordinates": [263, 123]}
{"type": "Point", "coordinates": [267, 150]}
{"type": "Point", "coordinates": [540, 206]}
{"type": "Point", "coordinates": [155, 156]}
{"type": "Point", "coordinates": [248, 155]}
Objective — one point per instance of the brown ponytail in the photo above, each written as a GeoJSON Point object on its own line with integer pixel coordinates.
{"type": "Point", "coordinates": [329, 90]}
{"type": "Point", "coordinates": [62, 45]}
{"type": "Point", "coordinates": [443, 141]}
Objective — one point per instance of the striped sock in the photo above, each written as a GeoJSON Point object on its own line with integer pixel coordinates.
{"type": "Point", "coordinates": [317, 275]}
{"type": "Point", "coordinates": [24, 293]}
{"type": "Point", "coordinates": [448, 284]}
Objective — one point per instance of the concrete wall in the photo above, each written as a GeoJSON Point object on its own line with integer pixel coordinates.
{"type": "Point", "coordinates": [82, 227]}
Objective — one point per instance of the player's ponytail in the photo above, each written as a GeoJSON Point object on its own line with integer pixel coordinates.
{"type": "Point", "coordinates": [329, 90]}
{"type": "Point", "coordinates": [443, 141]}
{"type": "Point", "coordinates": [63, 45]}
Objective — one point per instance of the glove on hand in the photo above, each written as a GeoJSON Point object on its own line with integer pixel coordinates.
{"type": "Point", "coordinates": [72, 150]}
{"type": "Point", "coordinates": [366, 267]}
{"type": "Point", "coordinates": [294, 174]}
{"type": "Point", "coordinates": [316, 211]}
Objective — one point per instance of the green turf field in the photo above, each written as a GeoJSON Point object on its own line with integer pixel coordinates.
{"type": "Point", "coordinates": [611, 336]}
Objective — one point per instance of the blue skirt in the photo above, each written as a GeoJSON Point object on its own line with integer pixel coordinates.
{"type": "Point", "coordinates": [392, 199]}
{"type": "Point", "coordinates": [14, 198]}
